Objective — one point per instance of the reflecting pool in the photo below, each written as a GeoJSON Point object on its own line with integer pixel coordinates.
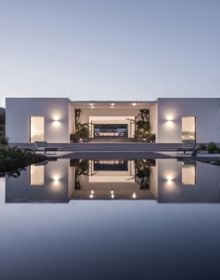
{"type": "Point", "coordinates": [162, 180]}
{"type": "Point", "coordinates": [111, 219]}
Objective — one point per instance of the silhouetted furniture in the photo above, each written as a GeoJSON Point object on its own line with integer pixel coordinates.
{"type": "Point", "coordinates": [188, 147]}
{"type": "Point", "coordinates": [43, 146]}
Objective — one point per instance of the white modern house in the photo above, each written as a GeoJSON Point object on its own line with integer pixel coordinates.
{"type": "Point", "coordinates": [60, 120]}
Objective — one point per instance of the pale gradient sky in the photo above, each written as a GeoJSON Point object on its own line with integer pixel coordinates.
{"type": "Point", "coordinates": [109, 49]}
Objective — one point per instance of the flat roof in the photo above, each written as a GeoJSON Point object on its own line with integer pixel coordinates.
{"type": "Point", "coordinates": [113, 104]}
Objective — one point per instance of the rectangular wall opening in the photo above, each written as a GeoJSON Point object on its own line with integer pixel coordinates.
{"type": "Point", "coordinates": [37, 132]}
{"type": "Point", "coordinates": [188, 129]}
{"type": "Point", "coordinates": [189, 174]}
{"type": "Point", "coordinates": [36, 175]}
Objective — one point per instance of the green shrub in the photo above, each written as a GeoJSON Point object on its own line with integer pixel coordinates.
{"type": "Point", "coordinates": [202, 147]}
{"type": "Point", "coordinates": [74, 137]}
{"type": "Point", "coordinates": [212, 148]}
{"type": "Point", "coordinates": [82, 132]}
{"type": "Point", "coordinates": [3, 140]}
{"type": "Point", "coordinates": [14, 158]}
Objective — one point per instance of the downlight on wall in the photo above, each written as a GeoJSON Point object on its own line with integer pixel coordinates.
{"type": "Point", "coordinates": [56, 120]}
{"type": "Point", "coordinates": [169, 120]}
{"type": "Point", "coordinates": [112, 105]}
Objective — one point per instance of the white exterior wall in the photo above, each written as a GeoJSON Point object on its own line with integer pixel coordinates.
{"type": "Point", "coordinates": [171, 110]}
{"type": "Point", "coordinates": [154, 119]}
{"type": "Point", "coordinates": [206, 111]}
{"type": "Point", "coordinates": [19, 111]}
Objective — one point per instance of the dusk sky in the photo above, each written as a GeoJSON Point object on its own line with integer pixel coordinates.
{"type": "Point", "coordinates": [109, 49]}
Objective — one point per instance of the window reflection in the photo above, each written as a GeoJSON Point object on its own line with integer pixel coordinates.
{"type": "Point", "coordinates": [111, 171]}
{"type": "Point", "coordinates": [189, 174]}
{"type": "Point", "coordinates": [36, 175]}
{"type": "Point", "coordinates": [110, 165]}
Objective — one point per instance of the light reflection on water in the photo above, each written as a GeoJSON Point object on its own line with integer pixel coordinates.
{"type": "Point", "coordinates": [157, 237]}
{"type": "Point", "coordinates": [162, 180]}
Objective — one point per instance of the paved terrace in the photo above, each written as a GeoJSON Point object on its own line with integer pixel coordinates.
{"type": "Point", "coordinates": [108, 147]}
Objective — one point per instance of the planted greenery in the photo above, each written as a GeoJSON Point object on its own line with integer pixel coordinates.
{"type": "Point", "coordinates": [81, 168]}
{"type": "Point", "coordinates": [143, 127]}
{"type": "Point", "coordinates": [2, 122]}
{"type": "Point", "coordinates": [3, 141]}
{"type": "Point", "coordinates": [81, 129]}
{"type": "Point", "coordinates": [212, 148]}
{"type": "Point", "coordinates": [202, 147]}
{"type": "Point", "coordinates": [143, 172]}
{"type": "Point", "coordinates": [15, 158]}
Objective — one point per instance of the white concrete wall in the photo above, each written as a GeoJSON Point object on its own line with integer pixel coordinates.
{"type": "Point", "coordinates": [171, 110]}
{"type": "Point", "coordinates": [19, 111]}
{"type": "Point", "coordinates": [154, 119]}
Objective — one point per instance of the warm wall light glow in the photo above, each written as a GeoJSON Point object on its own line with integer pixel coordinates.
{"type": "Point", "coordinates": [169, 121]}
{"type": "Point", "coordinates": [112, 194]}
{"type": "Point", "coordinates": [169, 124]}
{"type": "Point", "coordinates": [56, 117]}
{"type": "Point", "coordinates": [91, 196]}
{"type": "Point", "coordinates": [169, 179]}
{"type": "Point", "coordinates": [169, 118]}
{"type": "Point", "coordinates": [56, 123]}
{"type": "Point", "coordinates": [112, 104]}
{"type": "Point", "coordinates": [56, 179]}
{"type": "Point", "coordinates": [134, 104]}
{"type": "Point", "coordinates": [134, 196]}
{"type": "Point", "coordinates": [92, 192]}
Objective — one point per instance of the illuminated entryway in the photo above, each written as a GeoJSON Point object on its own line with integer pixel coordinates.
{"type": "Point", "coordinates": [106, 171]}
{"type": "Point", "coordinates": [37, 131]}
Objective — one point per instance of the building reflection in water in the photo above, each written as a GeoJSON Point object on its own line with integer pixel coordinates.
{"type": "Point", "coordinates": [163, 180]}
{"type": "Point", "coordinates": [112, 179]}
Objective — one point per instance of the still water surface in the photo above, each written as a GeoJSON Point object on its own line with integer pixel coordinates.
{"type": "Point", "coordinates": [111, 219]}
